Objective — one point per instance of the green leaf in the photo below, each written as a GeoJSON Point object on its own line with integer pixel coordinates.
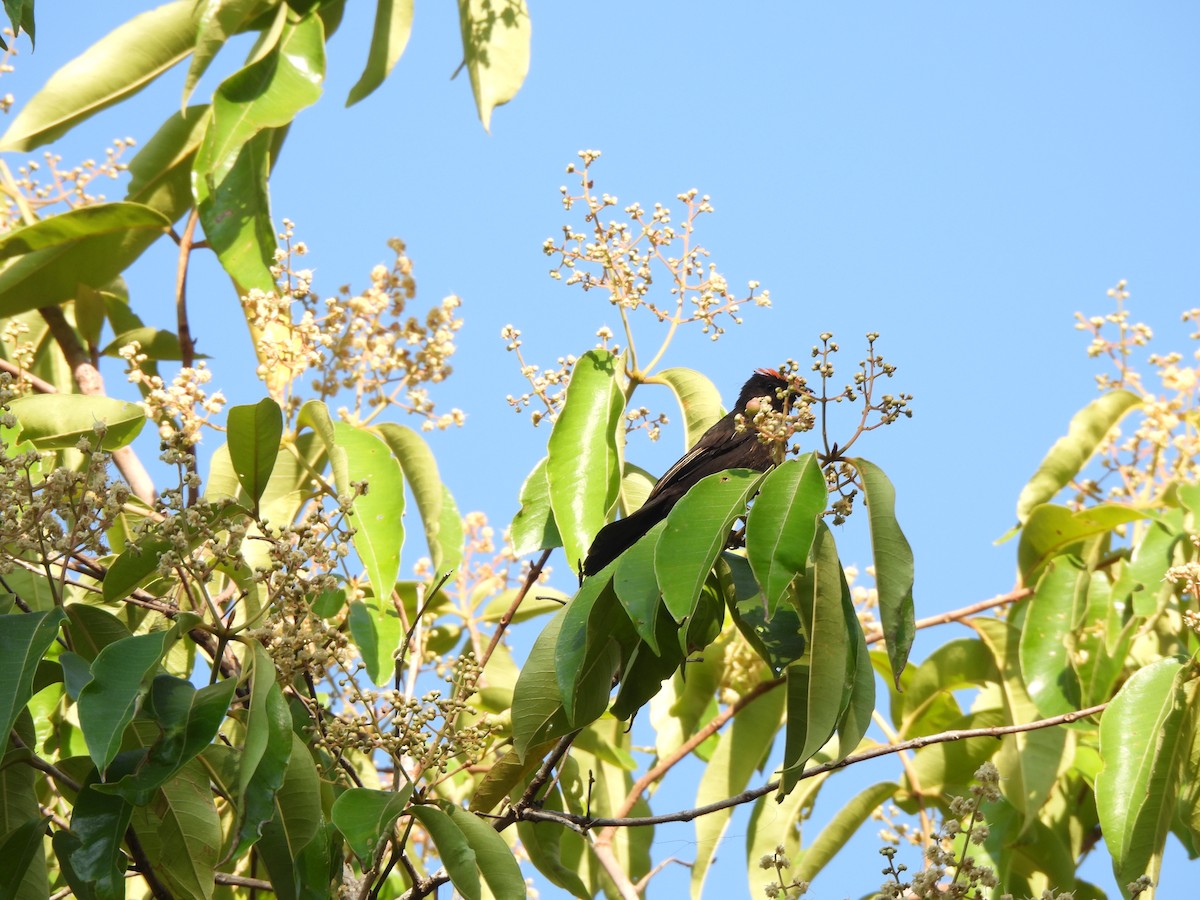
{"type": "Point", "coordinates": [583, 467]}
{"type": "Point", "coordinates": [774, 822]}
{"type": "Point", "coordinates": [216, 22]}
{"type": "Point", "coordinates": [74, 225]}
{"type": "Point", "coordinates": [1046, 636]}
{"type": "Point", "coordinates": [742, 750]}
{"type": "Point", "coordinates": [1028, 761]}
{"type": "Point", "coordinates": [782, 523]}
{"type": "Point", "coordinates": [893, 565]}
{"type": "Point", "coordinates": [19, 806]}
{"type": "Point", "coordinates": [859, 703]}
{"type": "Point", "coordinates": [637, 587]}
{"type": "Point", "coordinates": [157, 344]}
{"type": "Point", "coordinates": [108, 701]}
{"type": "Point", "coordinates": [1144, 749]}
{"type": "Point", "coordinates": [533, 526]}
{"type": "Point", "coordinates": [958, 664]}
{"type": "Point", "coordinates": [297, 826]}
{"type": "Point", "coordinates": [254, 433]}
{"type": "Point", "coordinates": [18, 849]}
{"type": "Point", "coordinates": [115, 67]}
{"type": "Point", "coordinates": [377, 633]}
{"type": "Point", "coordinates": [267, 93]}
{"type": "Point", "coordinates": [265, 753]}
{"type": "Point", "coordinates": [90, 853]}
{"type": "Point", "coordinates": [779, 641]}
{"type": "Point", "coordinates": [453, 850]}
{"type": "Point", "coordinates": [88, 248]}
{"type": "Point", "coordinates": [420, 470]}
{"type": "Point", "coordinates": [697, 530]}
{"type": "Point", "coordinates": [58, 421]}
{"type": "Point", "coordinates": [365, 817]}
{"type": "Point", "coordinates": [698, 398]}
{"type": "Point", "coordinates": [235, 212]}
{"type": "Point", "coordinates": [180, 832]}
{"type": "Point", "coordinates": [1051, 530]}
{"type": "Point", "coordinates": [160, 174]}
{"type": "Point", "coordinates": [377, 515]}
{"type": "Point", "coordinates": [393, 24]}
{"type": "Point", "coordinates": [24, 640]}
{"type": "Point", "coordinates": [495, 51]}
{"type": "Point", "coordinates": [556, 851]}
{"type": "Point", "coordinates": [586, 657]}
{"type": "Point", "coordinates": [1072, 451]}
{"type": "Point", "coordinates": [92, 629]}
{"type": "Point", "coordinates": [812, 710]}
{"type": "Point", "coordinates": [188, 720]}
{"type": "Point", "coordinates": [496, 862]}
{"type": "Point", "coordinates": [845, 822]}
{"type": "Point", "coordinates": [537, 707]}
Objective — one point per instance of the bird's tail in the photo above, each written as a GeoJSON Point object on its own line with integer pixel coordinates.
{"type": "Point", "coordinates": [617, 537]}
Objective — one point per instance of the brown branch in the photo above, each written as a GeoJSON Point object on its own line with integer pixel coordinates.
{"type": "Point", "coordinates": [187, 346]}
{"type": "Point", "coordinates": [88, 378]}
{"type": "Point", "coordinates": [42, 765]}
{"type": "Point", "coordinates": [241, 881]}
{"type": "Point", "coordinates": [505, 620]}
{"type": "Point", "coordinates": [687, 815]}
{"type": "Point", "coordinates": [145, 868]}
{"type": "Point", "coordinates": [38, 384]}
{"type": "Point", "coordinates": [956, 614]}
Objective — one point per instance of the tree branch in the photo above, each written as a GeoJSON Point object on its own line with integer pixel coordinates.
{"type": "Point", "coordinates": [956, 614]}
{"type": "Point", "coordinates": [687, 815]}
{"type": "Point", "coordinates": [88, 378]}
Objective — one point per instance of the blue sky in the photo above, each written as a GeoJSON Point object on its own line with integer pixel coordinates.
{"type": "Point", "coordinates": [958, 177]}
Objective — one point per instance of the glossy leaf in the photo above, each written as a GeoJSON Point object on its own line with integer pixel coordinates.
{"type": "Point", "coordinates": [1050, 530]}
{"type": "Point", "coordinates": [91, 629]}
{"type": "Point", "coordinates": [533, 526]}
{"type": "Point", "coordinates": [1071, 452]}
{"type": "Point", "coordinates": [267, 93]}
{"type": "Point", "coordinates": [439, 515]}
{"type": "Point", "coordinates": [235, 213]}
{"type": "Point", "coordinates": [265, 752]}
{"type": "Point", "coordinates": [1143, 747]}
{"type": "Point", "coordinates": [216, 22]}
{"type": "Point", "coordinates": [782, 523]}
{"type": "Point", "coordinates": [157, 344]}
{"type": "Point", "coordinates": [365, 817]}
{"type": "Point", "coordinates": [453, 850]}
{"type": "Point", "coordinates": [74, 225]}
{"type": "Point", "coordinates": [180, 832]}
{"type": "Point", "coordinates": [637, 587]}
{"type": "Point", "coordinates": [587, 654]}
{"type": "Point", "coordinates": [1028, 761]}
{"type": "Point", "coordinates": [698, 398]}
{"type": "Point", "coordinates": [377, 513]}
{"type": "Point", "coordinates": [377, 632]}
{"type": "Point", "coordinates": [583, 467]}
{"type": "Point", "coordinates": [107, 703]}
{"type": "Point", "coordinates": [859, 700]}
{"type": "Point", "coordinates": [496, 862]}
{"type": "Point", "coordinates": [188, 720]}
{"type": "Point", "coordinates": [697, 530]}
{"type": "Point", "coordinates": [115, 67]}
{"type": "Point", "coordinates": [254, 433]}
{"type": "Point", "coordinates": [816, 691]}
{"type": "Point", "coordinates": [955, 665]}
{"type": "Point", "coordinates": [742, 750]}
{"type": "Point", "coordinates": [555, 851]}
{"type": "Point", "coordinates": [893, 565]}
{"type": "Point", "coordinates": [58, 421]}
{"type": "Point", "coordinates": [297, 829]}
{"type": "Point", "coordinates": [18, 849]}
{"type": "Point", "coordinates": [537, 708]}
{"type": "Point", "coordinates": [845, 822]}
{"type": "Point", "coordinates": [393, 25]}
{"type": "Point", "coordinates": [496, 41]}
{"type": "Point", "coordinates": [90, 854]}
{"type": "Point", "coordinates": [24, 640]}
{"type": "Point", "coordinates": [1046, 636]}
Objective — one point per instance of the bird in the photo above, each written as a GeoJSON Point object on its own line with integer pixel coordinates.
{"type": "Point", "coordinates": [722, 447]}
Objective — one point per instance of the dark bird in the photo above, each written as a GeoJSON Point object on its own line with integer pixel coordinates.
{"type": "Point", "coordinates": [721, 447]}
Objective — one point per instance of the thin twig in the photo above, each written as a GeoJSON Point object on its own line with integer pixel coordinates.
{"type": "Point", "coordinates": [687, 815]}
{"type": "Point", "coordinates": [531, 578]}
{"type": "Point", "coordinates": [956, 614]}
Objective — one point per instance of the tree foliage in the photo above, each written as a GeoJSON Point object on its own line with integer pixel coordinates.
{"type": "Point", "coordinates": [225, 681]}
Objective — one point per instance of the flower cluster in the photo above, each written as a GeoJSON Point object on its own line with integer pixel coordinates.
{"type": "Point", "coordinates": [180, 408]}
{"type": "Point", "coordinates": [1162, 446]}
{"type": "Point", "coordinates": [367, 344]}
